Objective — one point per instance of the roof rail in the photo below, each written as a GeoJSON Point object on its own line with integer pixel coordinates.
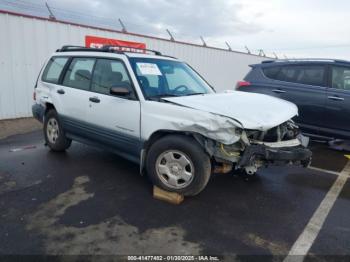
{"type": "Point", "coordinates": [307, 60]}
{"type": "Point", "coordinates": [106, 48]}
{"type": "Point", "coordinates": [74, 48]}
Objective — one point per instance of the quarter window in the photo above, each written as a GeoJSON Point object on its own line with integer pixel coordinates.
{"type": "Point", "coordinates": [109, 73]}
{"type": "Point", "coordinates": [54, 69]}
{"type": "Point", "coordinates": [79, 73]}
{"type": "Point", "coordinates": [341, 77]}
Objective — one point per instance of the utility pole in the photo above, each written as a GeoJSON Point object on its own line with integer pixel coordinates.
{"type": "Point", "coordinates": [122, 25]}
{"type": "Point", "coordinates": [51, 15]}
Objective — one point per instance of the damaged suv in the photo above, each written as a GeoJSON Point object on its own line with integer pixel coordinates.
{"type": "Point", "coordinates": [158, 112]}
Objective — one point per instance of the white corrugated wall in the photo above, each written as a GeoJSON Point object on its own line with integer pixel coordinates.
{"type": "Point", "coordinates": [25, 43]}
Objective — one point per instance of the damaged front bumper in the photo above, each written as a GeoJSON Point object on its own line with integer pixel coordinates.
{"type": "Point", "coordinates": [292, 151]}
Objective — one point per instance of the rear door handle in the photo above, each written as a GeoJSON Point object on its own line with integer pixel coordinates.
{"type": "Point", "coordinates": [336, 98]}
{"type": "Point", "coordinates": [94, 99]}
{"type": "Point", "coordinates": [278, 91]}
{"type": "Point", "coordinates": [60, 91]}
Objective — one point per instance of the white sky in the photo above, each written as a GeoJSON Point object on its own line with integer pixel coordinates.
{"type": "Point", "coordinates": [317, 28]}
{"type": "Point", "coordinates": [295, 28]}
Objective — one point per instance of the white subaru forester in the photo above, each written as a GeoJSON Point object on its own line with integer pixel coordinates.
{"type": "Point", "coordinates": [158, 112]}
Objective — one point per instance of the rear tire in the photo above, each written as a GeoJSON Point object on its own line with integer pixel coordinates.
{"type": "Point", "coordinates": [54, 134]}
{"type": "Point", "coordinates": [179, 164]}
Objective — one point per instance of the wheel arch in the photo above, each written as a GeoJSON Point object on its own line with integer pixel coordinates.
{"type": "Point", "coordinates": [48, 107]}
{"type": "Point", "coordinates": [162, 133]}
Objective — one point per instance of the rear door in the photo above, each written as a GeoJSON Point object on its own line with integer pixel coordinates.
{"type": "Point", "coordinates": [304, 85]}
{"type": "Point", "coordinates": [73, 93]}
{"type": "Point", "coordinates": [338, 101]}
{"type": "Point", "coordinates": [67, 81]}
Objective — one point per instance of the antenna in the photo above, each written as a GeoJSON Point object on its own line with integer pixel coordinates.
{"type": "Point", "coordinates": [171, 36]}
{"type": "Point", "coordinates": [122, 25]}
{"type": "Point", "coordinates": [229, 47]}
{"type": "Point", "coordinates": [204, 43]}
{"type": "Point", "coordinates": [51, 15]}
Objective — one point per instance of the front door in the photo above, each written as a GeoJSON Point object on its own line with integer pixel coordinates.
{"type": "Point", "coordinates": [115, 121]}
{"type": "Point", "coordinates": [338, 101]}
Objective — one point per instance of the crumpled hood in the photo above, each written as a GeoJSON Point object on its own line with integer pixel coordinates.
{"type": "Point", "coordinates": [253, 111]}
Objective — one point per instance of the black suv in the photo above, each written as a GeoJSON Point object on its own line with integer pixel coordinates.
{"type": "Point", "coordinates": [319, 87]}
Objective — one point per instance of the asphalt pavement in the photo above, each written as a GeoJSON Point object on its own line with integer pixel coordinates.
{"type": "Point", "coordinates": [91, 202]}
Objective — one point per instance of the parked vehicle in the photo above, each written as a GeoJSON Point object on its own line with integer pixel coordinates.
{"type": "Point", "coordinates": [158, 112]}
{"type": "Point", "coordinates": [319, 87]}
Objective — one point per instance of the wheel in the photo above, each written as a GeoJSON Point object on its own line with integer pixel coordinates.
{"type": "Point", "coordinates": [178, 164]}
{"type": "Point", "coordinates": [54, 134]}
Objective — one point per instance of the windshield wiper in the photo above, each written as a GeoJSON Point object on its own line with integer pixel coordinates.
{"type": "Point", "coordinates": [163, 96]}
{"type": "Point", "coordinates": [194, 94]}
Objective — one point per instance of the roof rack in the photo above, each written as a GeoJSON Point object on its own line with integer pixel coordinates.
{"type": "Point", "coordinates": [129, 49]}
{"type": "Point", "coordinates": [306, 60]}
{"type": "Point", "coordinates": [107, 48]}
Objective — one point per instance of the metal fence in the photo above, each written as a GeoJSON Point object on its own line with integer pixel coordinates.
{"type": "Point", "coordinates": [27, 41]}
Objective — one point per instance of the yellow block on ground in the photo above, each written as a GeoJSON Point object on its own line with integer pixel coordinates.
{"type": "Point", "coordinates": [171, 197]}
{"type": "Point", "coordinates": [347, 156]}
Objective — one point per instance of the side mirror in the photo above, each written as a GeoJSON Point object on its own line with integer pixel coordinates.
{"type": "Point", "coordinates": [120, 91]}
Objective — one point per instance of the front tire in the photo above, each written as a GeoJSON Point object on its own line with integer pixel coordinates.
{"type": "Point", "coordinates": [54, 134]}
{"type": "Point", "coordinates": [178, 164]}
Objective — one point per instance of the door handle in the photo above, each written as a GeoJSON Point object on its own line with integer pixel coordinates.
{"type": "Point", "coordinates": [278, 91]}
{"type": "Point", "coordinates": [336, 98]}
{"type": "Point", "coordinates": [60, 91]}
{"type": "Point", "coordinates": [94, 99]}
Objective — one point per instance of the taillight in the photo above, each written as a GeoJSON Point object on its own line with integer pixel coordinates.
{"type": "Point", "coordinates": [242, 83]}
{"type": "Point", "coordinates": [34, 95]}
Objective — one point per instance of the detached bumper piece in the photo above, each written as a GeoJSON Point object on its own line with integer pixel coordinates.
{"type": "Point", "coordinates": [298, 154]}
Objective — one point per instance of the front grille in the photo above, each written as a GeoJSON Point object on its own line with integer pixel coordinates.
{"type": "Point", "coordinates": [286, 131]}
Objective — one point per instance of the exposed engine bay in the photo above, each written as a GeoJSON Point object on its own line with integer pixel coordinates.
{"type": "Point", "coordinates": [279, 145]}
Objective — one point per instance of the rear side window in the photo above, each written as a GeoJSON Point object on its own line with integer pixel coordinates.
{"type": "Point", "coordinates": [79, 73]}
{"type": "Point", "coordinates": [54, 69]}
{"type": "Point", "coordinates": [307, 75]}
{"type": "Point", "coordinates": [272, 72]}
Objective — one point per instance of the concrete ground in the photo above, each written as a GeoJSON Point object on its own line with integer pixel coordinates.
{"type": "Point", "coordinates": [90, 202]}
{"type": "Point", "coordinates": [18, 126]}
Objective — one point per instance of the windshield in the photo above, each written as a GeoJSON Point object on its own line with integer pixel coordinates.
{"type": "Point", "coordinates": [165, 78]}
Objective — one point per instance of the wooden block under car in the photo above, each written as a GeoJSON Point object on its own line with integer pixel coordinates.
{"type": "Point", "coordinates": [171, 197]}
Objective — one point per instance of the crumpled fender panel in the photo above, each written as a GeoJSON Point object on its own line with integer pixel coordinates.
{"type": "Point", "coordinates": [157, 116]}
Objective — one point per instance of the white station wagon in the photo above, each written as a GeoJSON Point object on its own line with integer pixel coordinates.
{"type": "Point", "coordinates": [158, 112]}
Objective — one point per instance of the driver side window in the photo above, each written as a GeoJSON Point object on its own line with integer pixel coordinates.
{"type": "Point", "coordinates": [109, 73]}
{"type": "Point", "coordinates": [341, 77]}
